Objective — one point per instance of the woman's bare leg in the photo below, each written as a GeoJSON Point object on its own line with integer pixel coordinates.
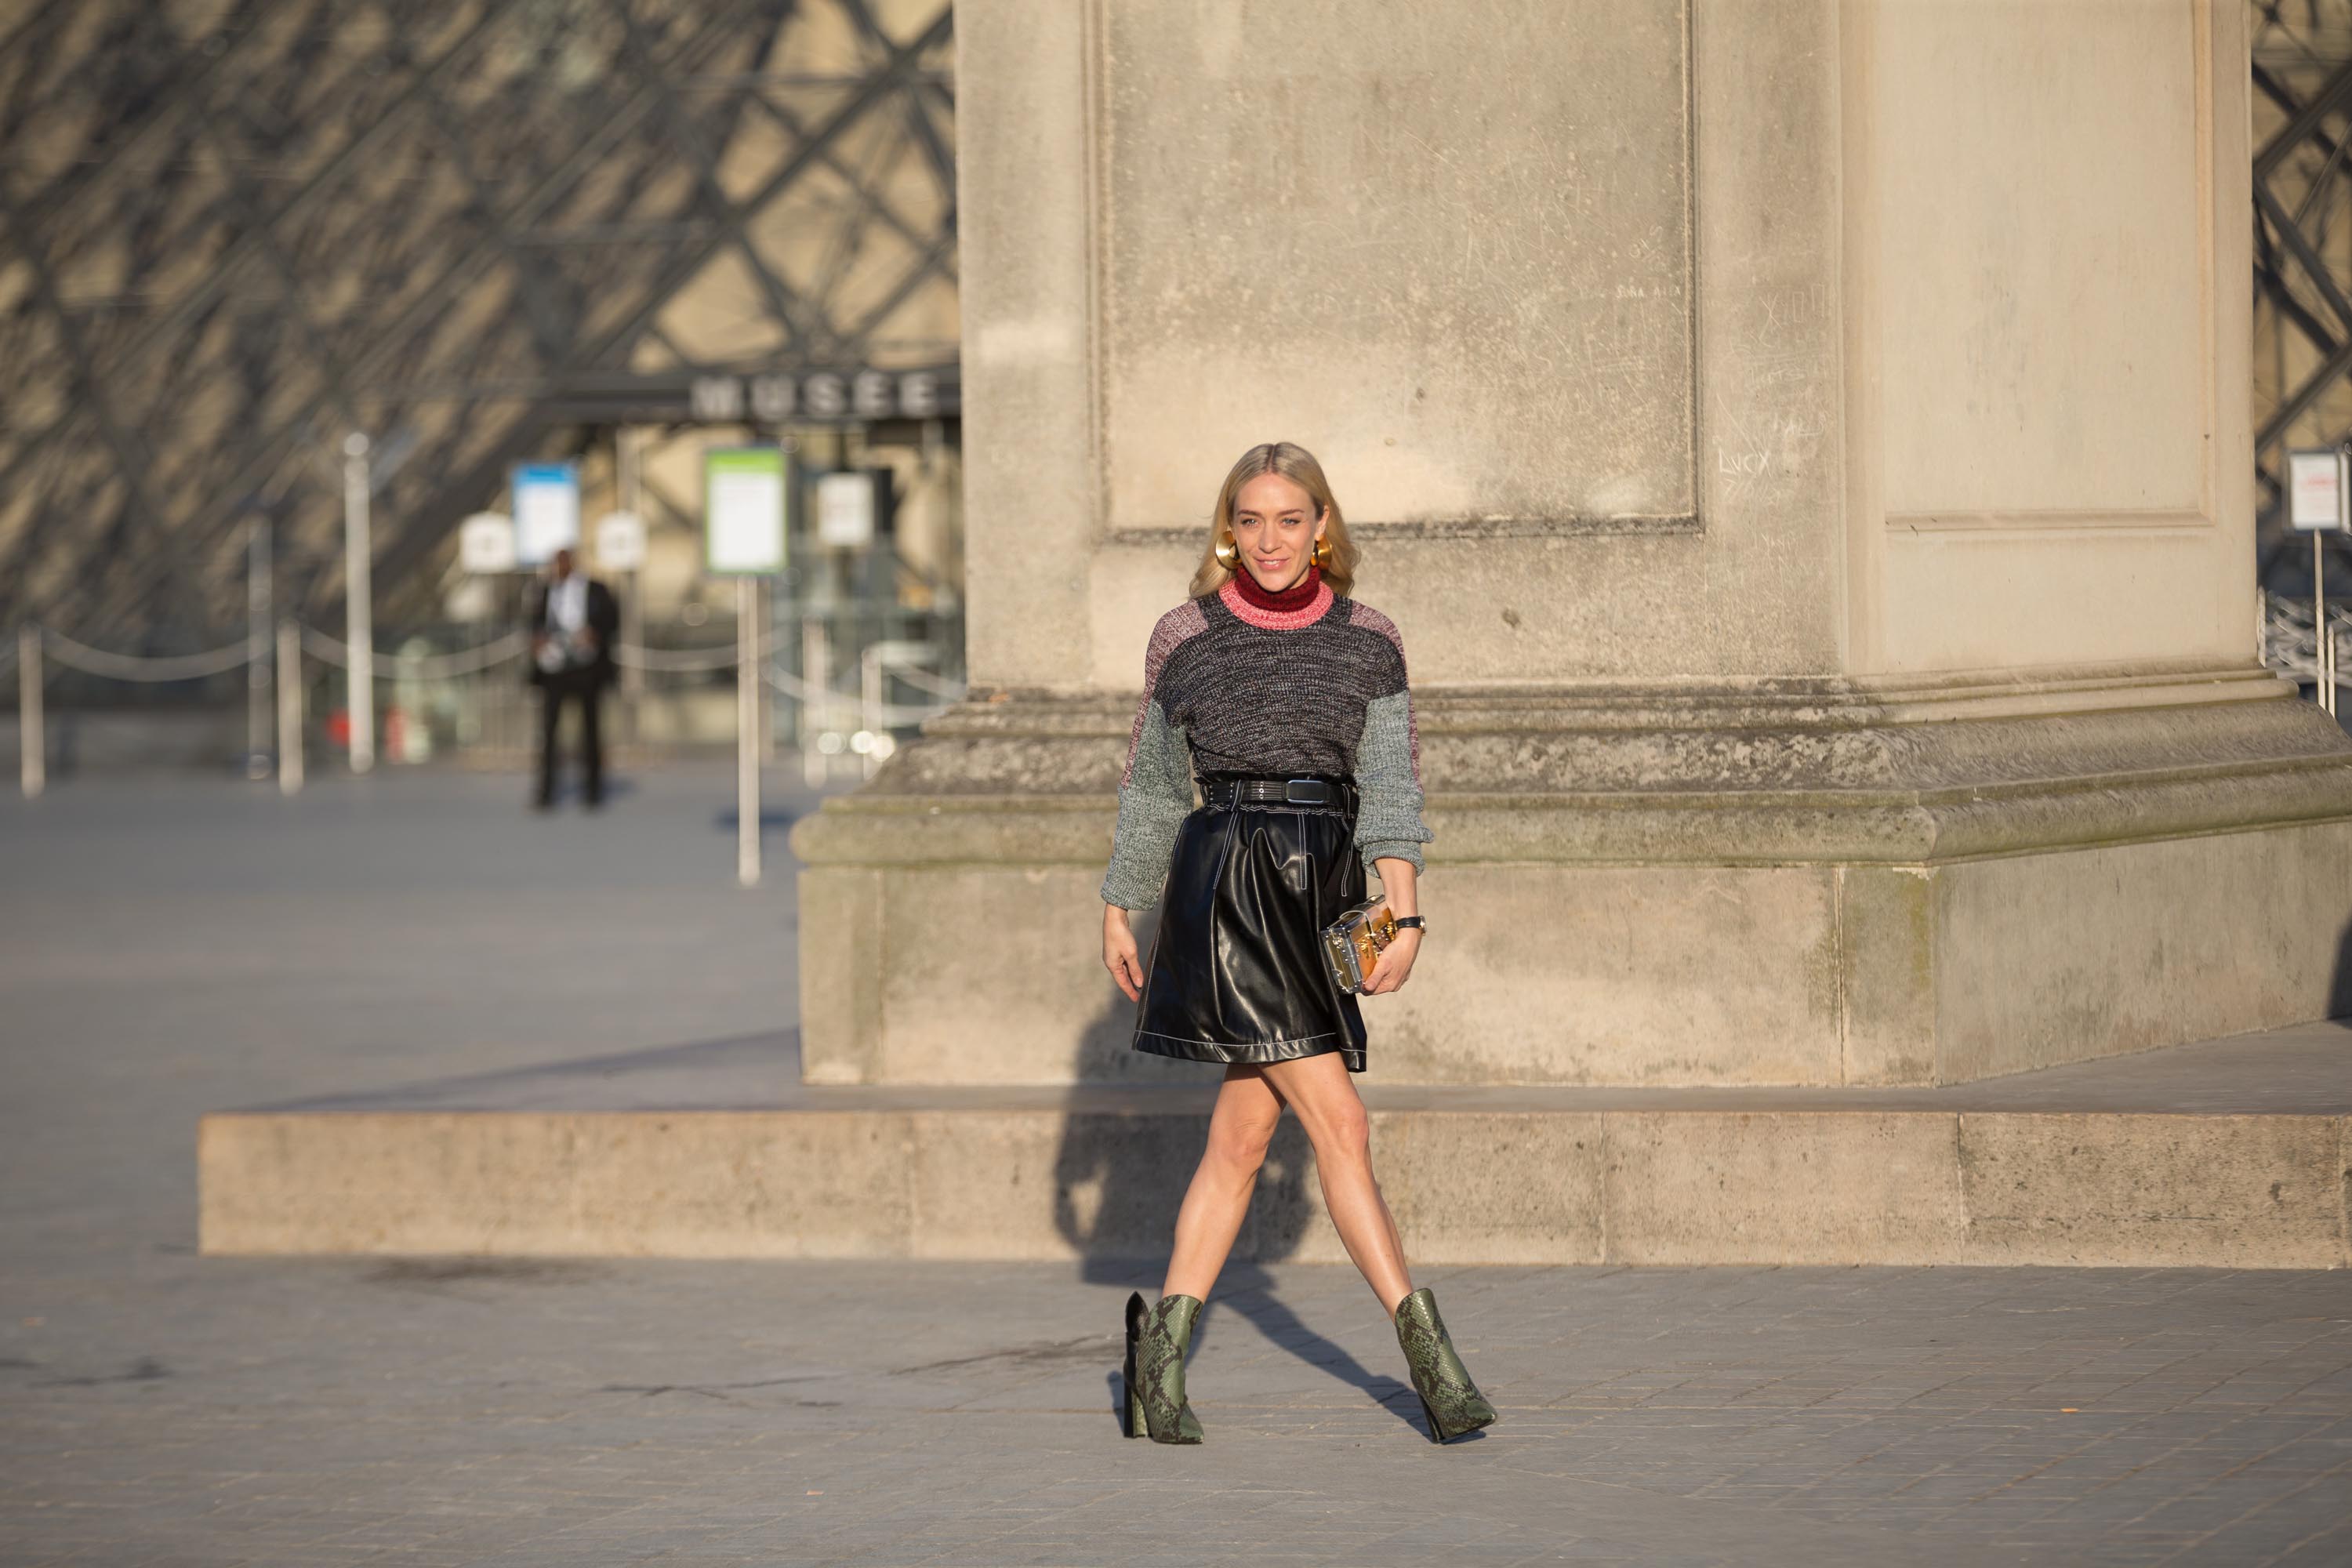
{"type": "Point", "coordinates": [1318, 1090]}
{"type": "Point", "coordinates": [1218, 1200]}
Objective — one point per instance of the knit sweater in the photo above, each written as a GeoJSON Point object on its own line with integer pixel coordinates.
{"type": "Point", "coordinates": [1232, 689]}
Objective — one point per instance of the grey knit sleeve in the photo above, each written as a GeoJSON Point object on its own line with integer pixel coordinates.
{"type": "Point", "coordinates": [1153, 800]}
{"type": "Point", "coordinates": [1388, 782]}
{"type": "Point", "coordinates": [1155, 792]}
{"type": "Point", "coordinates": [1387, 758]}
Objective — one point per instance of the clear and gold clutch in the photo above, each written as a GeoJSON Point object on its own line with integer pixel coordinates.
{"type": "Point", "coordinates": [1352, 944]}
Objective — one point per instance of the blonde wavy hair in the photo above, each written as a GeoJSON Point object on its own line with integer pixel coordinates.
{"type": "Point", "coordinates": [1297, 465]}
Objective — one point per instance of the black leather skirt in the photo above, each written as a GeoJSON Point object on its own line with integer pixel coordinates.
{"type": "Point", "coordinates": [1236, 971]}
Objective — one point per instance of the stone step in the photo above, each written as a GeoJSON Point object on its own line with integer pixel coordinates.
{"type": "Point", "coordinates": [2232, 1153]}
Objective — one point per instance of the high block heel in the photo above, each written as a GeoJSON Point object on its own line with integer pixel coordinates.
{"type": "Point", "coordinates": [1449, 1399]}
{"type": "Point", "coordinates": [1158, 1340]}
{"type": "Point", "coordinates": [1132, 1420]}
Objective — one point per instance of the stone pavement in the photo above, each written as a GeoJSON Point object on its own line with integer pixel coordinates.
{"type": "Point", "coordinates": [172, 945]}
{"type": "Point", "coordinates": [168, 1410]}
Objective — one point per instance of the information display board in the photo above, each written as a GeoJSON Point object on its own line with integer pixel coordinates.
{"type": "Point", "coordinates": [620, 541]}
{"type": "Point", "coordinates": [743, 511]}
{"type": "Point", "coordinates": [546, 511]}
{"type": "Point", "coordinates": [847, 503]}
{"type": "Point", "coordinates": [2316, 492]}
{"type": "Point", "coordinates": [485, 543]}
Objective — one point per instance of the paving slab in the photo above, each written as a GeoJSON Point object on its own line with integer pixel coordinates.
{"type": "Point", "coordinates": [482, 1411]}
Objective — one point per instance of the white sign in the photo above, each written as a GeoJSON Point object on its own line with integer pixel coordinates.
{"type": "Point", "coordinates": [2316, 490]}
{"type": "Point", "coordinates": [743, 510]}
{"type": "Point", "coordinates": [844, 508]}
{"type": "Point", "coordinates": [620, 541]}
{"type": "Point", "coordinates": [485, 543]}
{"type": "Point", "coordinates": [546, 511]}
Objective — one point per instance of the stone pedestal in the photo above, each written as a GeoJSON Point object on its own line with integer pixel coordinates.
{"type": "Point", "coordinates": [1814, 489]}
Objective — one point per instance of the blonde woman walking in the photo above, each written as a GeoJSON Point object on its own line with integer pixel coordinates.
{"type": "Point", "coordinates": [1288, 699]}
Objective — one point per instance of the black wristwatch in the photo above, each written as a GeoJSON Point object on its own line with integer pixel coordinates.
{"type": "Point", "coordinates": [1410, 922]}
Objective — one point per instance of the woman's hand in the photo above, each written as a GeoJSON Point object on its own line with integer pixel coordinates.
{"type": "Point", "coordinates": [1400, 886]}
{"type": "Point", "coordinates": [1119, 952]}
{"type": "Point", "coordinates": [1395, 962]}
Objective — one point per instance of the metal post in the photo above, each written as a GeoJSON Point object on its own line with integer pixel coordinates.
{"type": "Point", "coordinates": [767, 641]}
{"type": "Point", "coordinates": [289, 706]}
{"type": "Point", "coordinates": [632, 464]}
{"type": "Point", "coordinates": [869, 695]}
{"type": "Point", "coordinates": [816, 682]}
{"type": "Point", "coordinates": [257, 649]}
{"type": "Point", "coordinates": [2329, 638]}
{"type": "Point", "coordinates": [2319, 623]}
{"type": "Point", "coordinates": [358, 611]}
{"type": "Point", "coordinates": [746, 734]}
{"type": "Point", "coordinates": [32, 734]}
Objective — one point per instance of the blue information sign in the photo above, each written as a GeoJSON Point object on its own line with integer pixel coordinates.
{"type": "Point", "coordinates": [546, 511]}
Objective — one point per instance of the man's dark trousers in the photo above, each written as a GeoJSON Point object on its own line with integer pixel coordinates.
{"type": "Point", "coordinates": [583, 687]}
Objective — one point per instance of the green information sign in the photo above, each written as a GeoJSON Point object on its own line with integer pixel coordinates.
{"type": "Point", "coordinates": [743, 511]}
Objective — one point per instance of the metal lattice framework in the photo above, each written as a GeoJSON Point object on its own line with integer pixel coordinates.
{"type": "Point", "coordinates": [2302, 77]}
{"type": "Point", "coordinates": [232, 231]}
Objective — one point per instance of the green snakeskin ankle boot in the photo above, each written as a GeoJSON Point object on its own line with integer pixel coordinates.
{"type": "Point", "coordinates": [1157, 1339]}
{"type": "Point", "coordinates": [1448, 1397]}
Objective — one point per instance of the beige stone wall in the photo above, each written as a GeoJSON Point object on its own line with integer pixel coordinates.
{"type": "Point", "coordinates": [2047, 416]}
{"type": "Point", "coordinates": [1705, 340]}
{"type": "Point", "coordinates": [1419, 237]}
{"type": "Point", "coordinates": [1030, 482]}
{"type": "Point", "coordinates": [1466, 254]}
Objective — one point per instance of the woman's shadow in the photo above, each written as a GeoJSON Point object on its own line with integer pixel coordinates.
{"type": "Point", "coordinates": [1119, 1176]}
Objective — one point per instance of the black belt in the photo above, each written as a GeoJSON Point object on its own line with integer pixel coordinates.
{"type": "Point", "coordinates": [1305, 791]}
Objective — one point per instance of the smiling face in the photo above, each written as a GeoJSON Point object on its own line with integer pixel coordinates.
{"type": "Point", "coordinates": [1276, 524]}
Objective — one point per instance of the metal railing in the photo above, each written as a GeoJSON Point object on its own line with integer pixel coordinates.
{"type": "Point", "coordinates": [831, 711]}
{"type": "Point", "coordinates": [2291, 642]}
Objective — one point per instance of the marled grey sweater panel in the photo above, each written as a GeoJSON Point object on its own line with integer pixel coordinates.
{"type": "Point", "coordinates": [1153, 804]}
{"type": "Point", "coordinates": [1387, 783]}
{"type": "Point", "coordinates": [1263, 701]}
{"type": "Point", "coordinates": [1327, 698]}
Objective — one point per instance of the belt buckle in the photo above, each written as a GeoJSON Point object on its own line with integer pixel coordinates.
{"type": "Point", "coordinates": [1291, 795]}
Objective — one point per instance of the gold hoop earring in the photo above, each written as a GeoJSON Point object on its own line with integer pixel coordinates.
{"type": "Point", "coordinates": [1229, 554]}
{"type": "Point", "coordinates": [1322, 555]}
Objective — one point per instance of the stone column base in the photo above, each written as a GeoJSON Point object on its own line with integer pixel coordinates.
{"type": "Point", "coordinates": [1900, 881]}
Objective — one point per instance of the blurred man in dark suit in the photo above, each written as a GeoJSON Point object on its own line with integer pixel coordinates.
{"type": "Point", "coordinates": [572, 624]}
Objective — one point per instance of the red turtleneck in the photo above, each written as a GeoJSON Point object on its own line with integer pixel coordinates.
{"type": "Point", "coordinates": [1295, 597]}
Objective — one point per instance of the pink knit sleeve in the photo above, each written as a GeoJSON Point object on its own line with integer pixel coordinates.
{"type": "Point", "coordinates": [1371, 619]}
{"type": "Point", "coordinates": [1173, 627]}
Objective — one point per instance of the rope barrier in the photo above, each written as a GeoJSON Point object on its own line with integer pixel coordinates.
{"type": "Point", "coordinates": [890, 716]}
{"type": "Point", "coordinates": [143, 668]}
{"type": "Point", "coordinates": [674, 660]}
{"type": "Point", "coordinates": [690, 660]}
{"type": "Point", "coordinates": [461, 661]}
{"type": "Point", "coordinates": [420, 666]}
{"type": "Point", "coordinates": [400, 666]}
{"type": "Point", "coordinates": [327, 649]}
{"type": "Point", "coordinates": [922, 681]}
